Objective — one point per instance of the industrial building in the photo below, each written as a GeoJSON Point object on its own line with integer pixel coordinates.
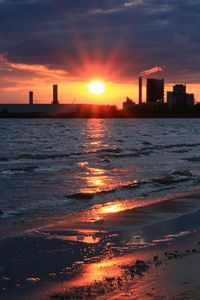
{"type": "Point", "coordinates": [179, 97]}
{"type": "Point", "coordinates": [140, 90]}
{"type": "Point", "coordinates": [55, 108]}
{"type": "Point", "coordinates": [128, 105]}
{"type": "Point", "coordinates": [155, 90]}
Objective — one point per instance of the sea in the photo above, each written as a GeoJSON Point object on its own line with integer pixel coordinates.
{"type": "Point", "coordinates": [51, 167]}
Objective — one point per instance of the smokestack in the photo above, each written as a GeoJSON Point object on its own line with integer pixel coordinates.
{"type": "Point", "coordinates": [55, 94]}
{"type": "Point", "coordinates": [31, 97]}
{"type": "Point", "coordinates": [140, 89]}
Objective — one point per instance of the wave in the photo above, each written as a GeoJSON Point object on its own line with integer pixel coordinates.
{"type": "Point", "coordinates": [174, 177]}
{"type": "Point", "coordinates": [180, 151]}
{"type": "Point", "coordinates": [18, 170]}
{"type": "Point", "coordinates": [4, 159]}
{"type": "Point", "coordinates": [89, 196]}
{"type": "Point", "coordinates": [170, 146]}
{"type": "Point", "coordinates": [111, 152]}
{"type": "Point", "coordinates": [28, 156]}
{"type": "Point", "coordinates": [151, 149]}
{"type": "Point", "coordinates": [193, 159]}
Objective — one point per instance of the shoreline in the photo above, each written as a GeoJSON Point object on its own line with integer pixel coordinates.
{"type": "Point", "coordinates": [122, 236]}
{"type": "Point", "coordinates": [106, 215]}
{"type": "Point", "coordinates": [164, 116]}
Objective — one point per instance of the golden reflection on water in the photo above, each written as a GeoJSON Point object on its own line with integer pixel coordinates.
{"type": "Point", "coordinates": [96, 171]}
{"type": "Point", "coordinates": [83, 163]}
{"type": "Point", "coordinates": [95, 132]}
{"type": "Point", "coordinates": [96, 180]}
{"type": "Point", "coordinates": [88, 239]}
{"type": "Point", "coordinates": [99, 179]}
{"type": "Point", "coordinates": [96, 143]}
{"type": "Point", "coordinates": [107, 267]}
{"type": "Point", "coordinates": [99, 211]}
{"type": "Point", "coordinates": [86, 236]}
{"type": "Point", "coordinates": [113, 208]}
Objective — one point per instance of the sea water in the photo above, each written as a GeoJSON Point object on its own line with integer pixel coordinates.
{"type": "Point", "coordinates": [50, 167]}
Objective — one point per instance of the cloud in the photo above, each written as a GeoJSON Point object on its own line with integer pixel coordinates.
{"type": "Point", "coordinates": [126, 36]}
{"type": "Point", "coordinates": [18, 76]}
{"type": "Point", "coordinates": [40, 70]}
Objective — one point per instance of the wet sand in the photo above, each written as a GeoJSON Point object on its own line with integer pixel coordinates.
{"type": "Point", "coordinates": [99, 245]}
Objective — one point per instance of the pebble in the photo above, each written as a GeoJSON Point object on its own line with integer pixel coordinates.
{"type": "Point", "coordinates": [33, 280]}
{"type": "Point", "coordinates": [5, 278]}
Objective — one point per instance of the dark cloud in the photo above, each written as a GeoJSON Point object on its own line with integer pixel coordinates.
{"type": "Point", "coordinates": [133, 34]}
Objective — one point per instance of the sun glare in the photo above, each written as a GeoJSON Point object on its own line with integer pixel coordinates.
{"type": "Point", "coordinates": [96, 87]}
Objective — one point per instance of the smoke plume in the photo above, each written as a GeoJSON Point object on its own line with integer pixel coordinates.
{"type": "Point", "coordinates": [151, 71]}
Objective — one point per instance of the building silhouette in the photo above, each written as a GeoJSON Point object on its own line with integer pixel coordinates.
{"type": "Point", "coordinates": [55, 94]}
{"type": "Point", "coordinates": [179, 98]}
{"type": "Point", "coordinates": [140, 89]}
{"type": "Point", "coordinates": [32, 109]}
{"type": "Point", "coordinates": [31, 97]}
{"type": "Point", "coordinates": [155, 90]}
{"type": "Point", "coordinates": [128, 105]}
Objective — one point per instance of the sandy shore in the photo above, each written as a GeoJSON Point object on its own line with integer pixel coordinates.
{"type": "Point", "coordinates": [112, 251]}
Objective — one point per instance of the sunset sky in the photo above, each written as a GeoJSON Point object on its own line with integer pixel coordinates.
{"type": "Point", "coordinates": [73, 42]}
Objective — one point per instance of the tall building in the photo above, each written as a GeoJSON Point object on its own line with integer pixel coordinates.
{"type": "Point", "coordinates": [170, 99]}
{"type": "Point", "coordinates": [179, 97]}
{"type": "Point", "coordinates": [179, 88]}
{"type": "Point", "coordinates": [190, 100]}
{"type": "Point", "coordinates": [155, 90]}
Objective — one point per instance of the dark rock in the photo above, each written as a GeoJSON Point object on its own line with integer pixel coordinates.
{"type": "Point", "coordinates": [157, 261]}
{"type": "Point", "coordinates": [141, 265]}
{"type": "Point", "coordinates": [110, 279]}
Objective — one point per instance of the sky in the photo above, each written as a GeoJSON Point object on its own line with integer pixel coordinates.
{"type": "Point", "coordinates": [73, 42]}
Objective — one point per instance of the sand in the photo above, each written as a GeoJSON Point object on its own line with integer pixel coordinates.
{"type": "Point", "coordinates": [91, 255]}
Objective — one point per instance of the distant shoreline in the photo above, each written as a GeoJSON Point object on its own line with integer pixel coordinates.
{"type": "Point", "coordinates": [118, 116]}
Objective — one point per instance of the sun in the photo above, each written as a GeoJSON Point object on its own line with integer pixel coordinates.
{"type": "Point", "coordinates": [96, 87]}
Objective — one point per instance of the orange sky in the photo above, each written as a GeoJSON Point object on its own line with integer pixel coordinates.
{"type": "Point", "coordinates": [18, 79]}
{"type": "Point", "coordinates": [115, 93]}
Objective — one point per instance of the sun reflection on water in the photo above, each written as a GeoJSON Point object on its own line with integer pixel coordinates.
{"type": "Point", "coordinates": [96, 180]}
{"type": "Point", "coordinates": [98, 174]}
{"type": "Point", "coordinates": [113, 208]}
{"type": "Point", "coordinates": [100, 211]}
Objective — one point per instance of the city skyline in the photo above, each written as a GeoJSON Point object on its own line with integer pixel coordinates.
{"type": "Point", "coordinates": [45, 95]}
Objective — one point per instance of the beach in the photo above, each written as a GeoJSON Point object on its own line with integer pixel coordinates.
{"type": "Point", "coordinates": [87, 212]}
{"type": "Point", "coordinates": [96, 260]}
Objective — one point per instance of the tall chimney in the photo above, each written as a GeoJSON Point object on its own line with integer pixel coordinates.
{"type": "Point", "coordinates": [140, 89]}
{"type": "Point", "coordinates": [55, 94]}
{"type": "Point", "coordinates": [31, 97]}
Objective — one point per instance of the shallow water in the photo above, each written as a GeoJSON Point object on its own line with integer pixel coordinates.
{"type": "Point", "coordinates": [55, 166]}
